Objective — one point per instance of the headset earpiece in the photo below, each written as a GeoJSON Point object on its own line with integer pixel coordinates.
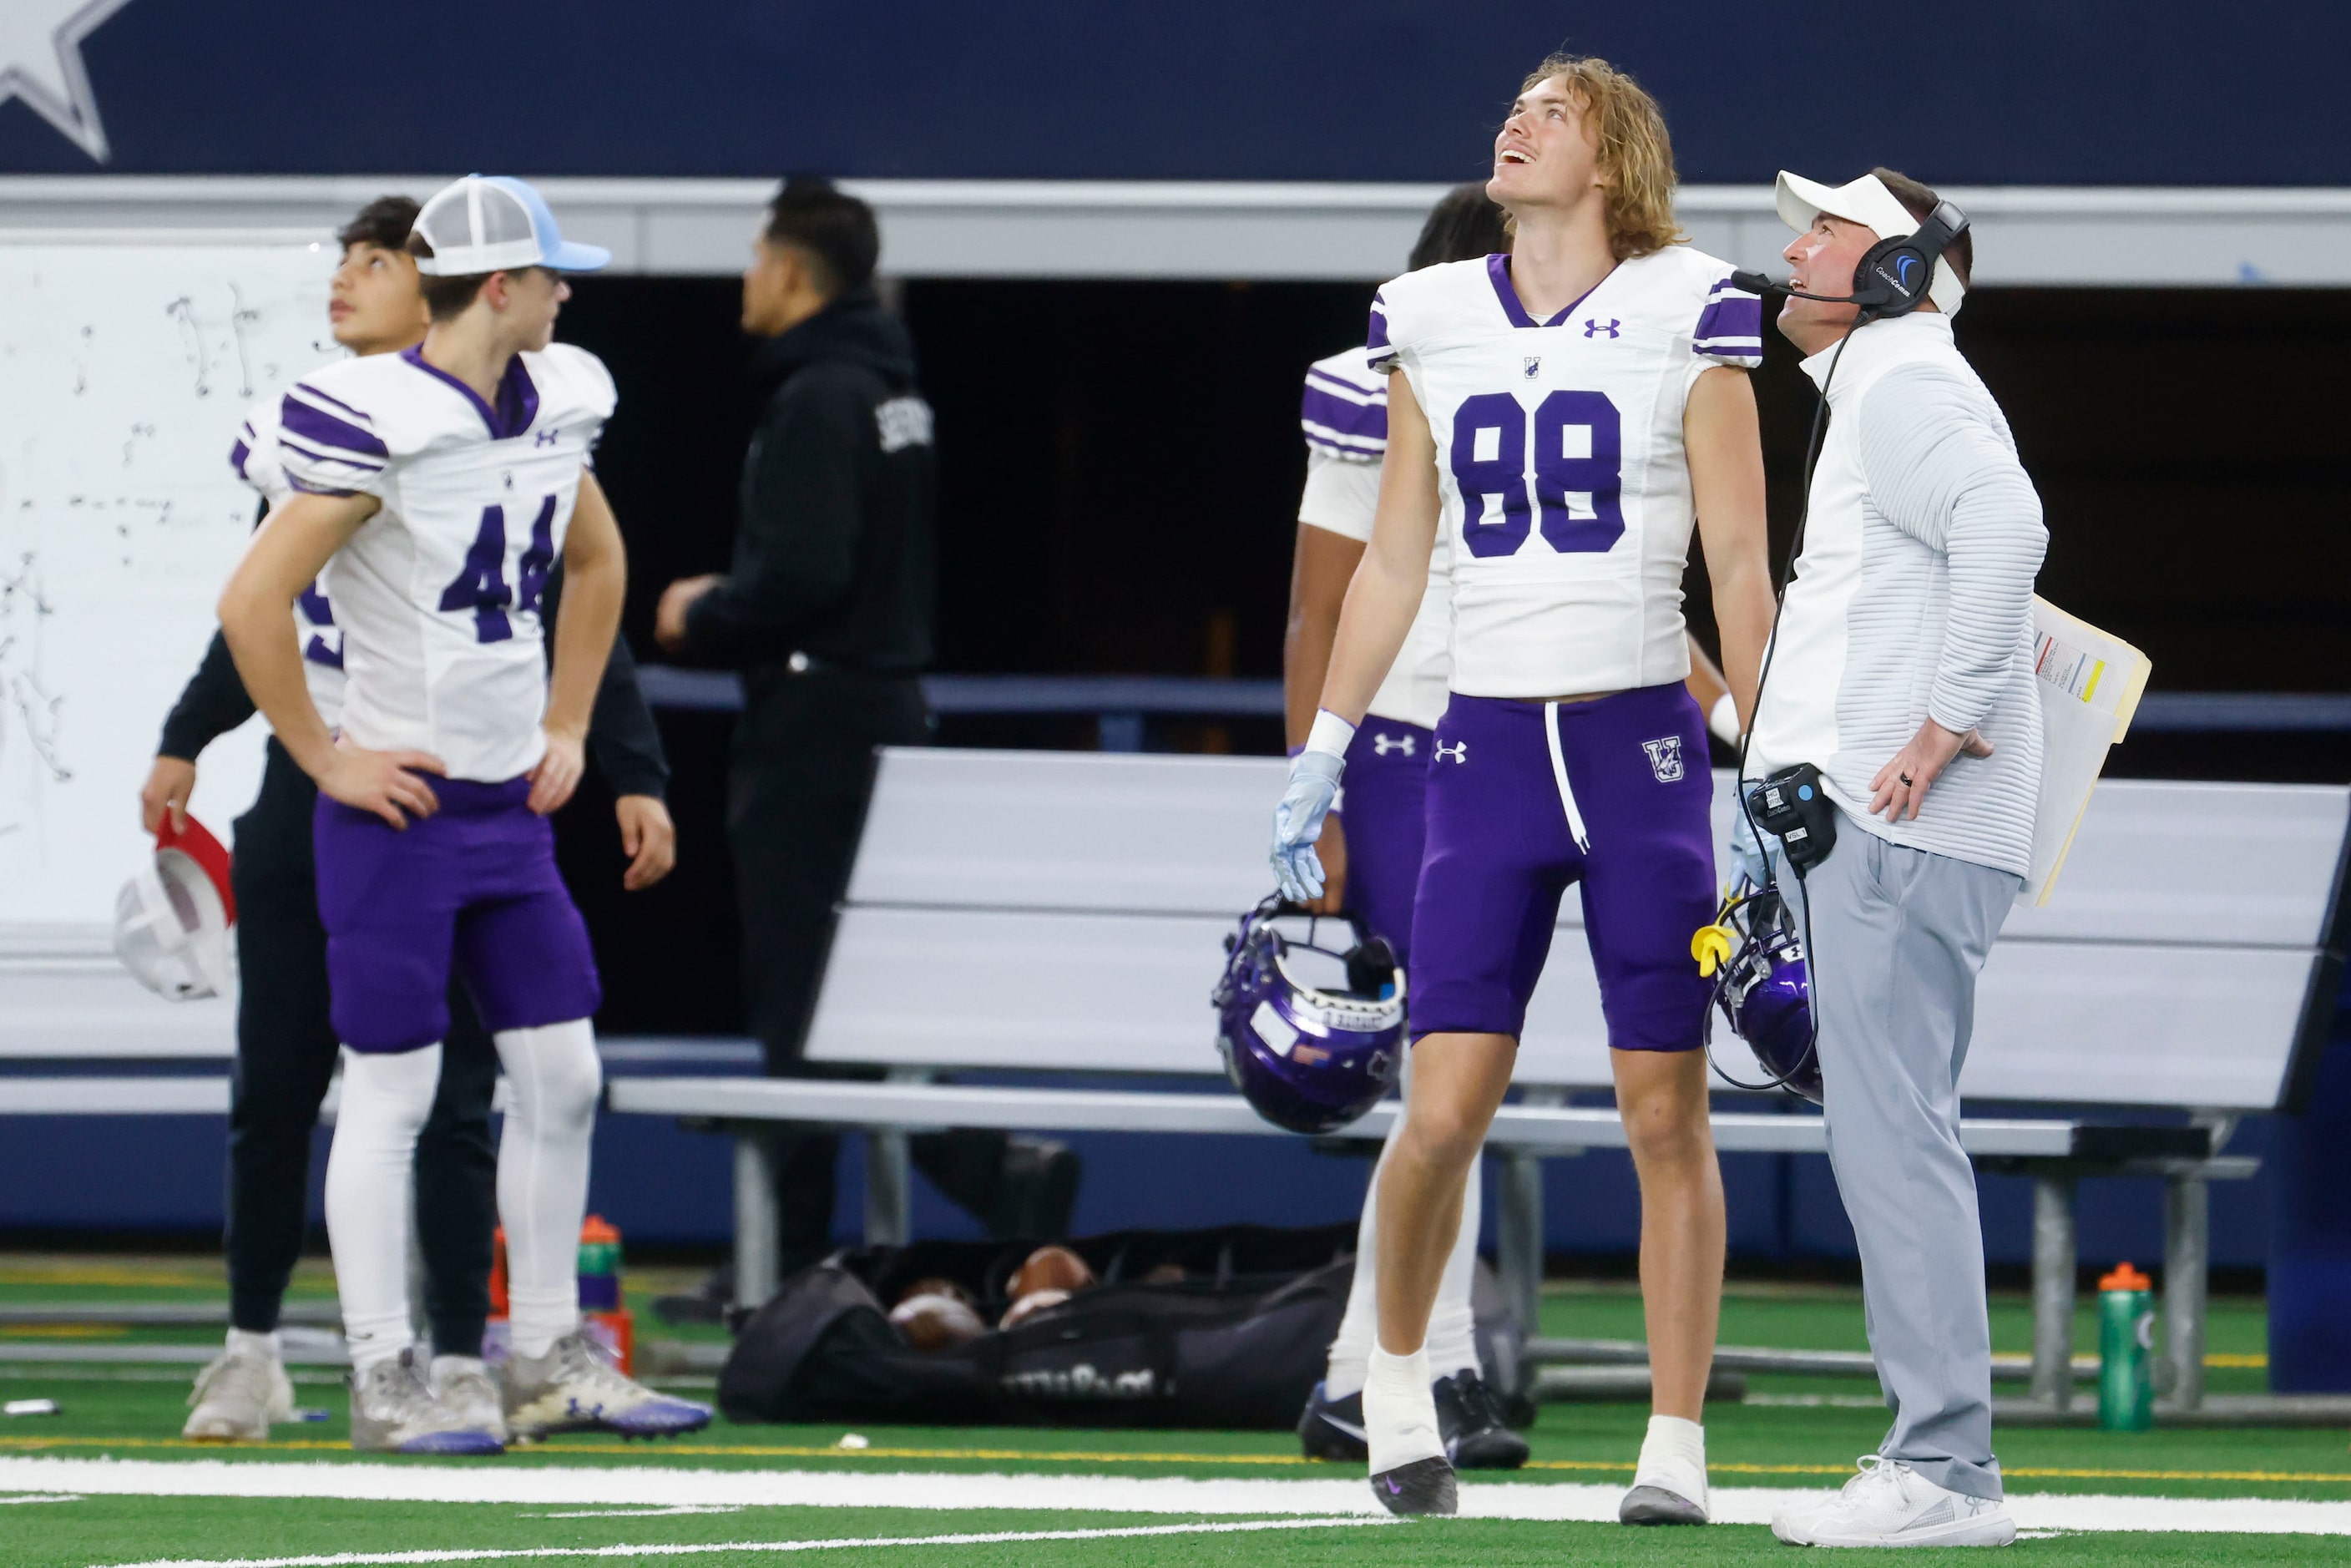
{"type": "Point", "coordinates": [1894, 274]}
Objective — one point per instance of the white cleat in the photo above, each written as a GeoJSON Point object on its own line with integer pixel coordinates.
{"type": "Point", "coordinates": [464, 1384]}
{"type": "Point", "coordinates": [238, 1396]}
{"type": "Point", "coordinates": [1890, 1504]}
{"type": "Point", "coordinates": [575, 1387]}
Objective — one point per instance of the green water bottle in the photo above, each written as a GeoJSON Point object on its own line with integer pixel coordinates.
{"type": "Point", "coordinates": [2125, 1350]}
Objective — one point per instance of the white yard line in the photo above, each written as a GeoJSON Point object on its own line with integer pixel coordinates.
{"type": "Point", "coordinates": [650, 1486]}
{"type": "Point", "coordinates": [491, 1554]}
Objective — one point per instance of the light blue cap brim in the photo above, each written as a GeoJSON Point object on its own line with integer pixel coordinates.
{"type": "Point", "coordinates": [570, 256]}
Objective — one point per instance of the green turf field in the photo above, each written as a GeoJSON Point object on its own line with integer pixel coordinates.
{"type": "Point", "coordinates": [112, 1456]}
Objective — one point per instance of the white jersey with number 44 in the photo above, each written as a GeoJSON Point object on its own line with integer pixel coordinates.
{"type": "Point", "coordinates": [1561, 468]}
{"type": "Point", "coordinates": [438, 594]}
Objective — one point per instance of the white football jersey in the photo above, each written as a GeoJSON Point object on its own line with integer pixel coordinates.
{"type": "Point", "coordinates": [255, 458]}
{"type": "Point", "coordinates": [1560, 467]}
{"type": "Point", "coordinates": [1345, 415]}
{"type": "Point", "coordinates": [438, 593]}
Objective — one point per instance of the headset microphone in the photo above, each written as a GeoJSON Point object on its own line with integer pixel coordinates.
{"type": "Point", "coordinates": [1893, 277]}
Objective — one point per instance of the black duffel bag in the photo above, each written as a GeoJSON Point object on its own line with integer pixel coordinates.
{"type": "Point", "coordinates": [1238, 1342]}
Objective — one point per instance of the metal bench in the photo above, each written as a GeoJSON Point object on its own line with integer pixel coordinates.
{"type": "Point", "coordinates": [2190, 955]}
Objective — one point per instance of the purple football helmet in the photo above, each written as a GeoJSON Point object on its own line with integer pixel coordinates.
{"type": "Point", "coordinates": [1765, 993]}
{"type": "Point", "coordinates": [1309, 1058]}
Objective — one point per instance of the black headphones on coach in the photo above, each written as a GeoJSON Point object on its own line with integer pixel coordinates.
{"type": "Point", "coordinates": [1894, 275]}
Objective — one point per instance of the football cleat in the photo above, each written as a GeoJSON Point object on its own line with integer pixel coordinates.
{"type": "Point", "coordinates": [237, 1396]}
{"type": "Point", "coordinates": [1333, 1429]}
{"type": "Point", "coordinates": [464, 1384]}
{"type": "Point", "coordinates": [394, 1411]}
{"type": "Point", "coordinates": [1421, 1487]}
{"type": "Point", "coordinates": [575, 1388]}
{"type": "Point", "coordinates": [1469, 1419]}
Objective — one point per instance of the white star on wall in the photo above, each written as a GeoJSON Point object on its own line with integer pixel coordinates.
{"type": "Point", "coordinates": [40, 62]}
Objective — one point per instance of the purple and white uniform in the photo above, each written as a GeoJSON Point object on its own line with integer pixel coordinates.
{"type": "Point", "coordinates": [1565, 496]}
{"type": "Point", "coordinates": [255, 458]}
{"type": "Point", "coordinates": [1344, 415]}
{"type": "Point", "coordinates": [438, 597]}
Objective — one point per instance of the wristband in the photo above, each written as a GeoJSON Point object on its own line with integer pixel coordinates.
{"type": "Point", "coordinates": [1330, 734]}
{"type": "Point", "coordinates": [1724, 720]}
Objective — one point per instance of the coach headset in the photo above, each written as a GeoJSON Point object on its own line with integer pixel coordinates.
{"type": "Point", "coordinates": [1893, 278]}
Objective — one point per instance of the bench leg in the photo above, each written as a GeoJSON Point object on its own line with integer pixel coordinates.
{"type": "Point", "coordinates": [1518, 1236]}
{"type": "Point", "coordinates": [2187, 1241]}
{"type": "Point", "coordinates": [755, 1223]}
{"type": "Point", "coordinates": [889, 1188]}
{"type": "Point", "coordinates": [2054, 1261]}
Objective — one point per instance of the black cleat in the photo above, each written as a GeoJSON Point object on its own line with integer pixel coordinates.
{"type": "Point", "coordinates": [1421, 1487]}
{"type": "Point", "coordinates": [1656, 1505]}
{"type": "Point", "coordinates": [1469, 1419]}
{"type": "Point", "coordinates": [1333, 1429]}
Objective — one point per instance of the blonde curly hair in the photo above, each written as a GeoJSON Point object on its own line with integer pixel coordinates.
{"type": "Point", "coordinates": [1635, 153]}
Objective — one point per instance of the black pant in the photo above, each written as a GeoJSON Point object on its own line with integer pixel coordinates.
{"type": "Point", "coordinates": [802, 772]}
{"type": "Point", "coordinates": [286, 1052]}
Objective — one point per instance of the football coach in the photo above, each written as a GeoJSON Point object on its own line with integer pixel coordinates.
{"type": "Point", "coordinates": [1903, 672]}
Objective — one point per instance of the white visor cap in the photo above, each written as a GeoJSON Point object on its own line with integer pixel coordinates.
{"type": "Point", "coordinates": [493, 223]}
{"type": "Point", "coordinates": [1869, 203]}
{"type": "Point", "coordinates": [170, 930]}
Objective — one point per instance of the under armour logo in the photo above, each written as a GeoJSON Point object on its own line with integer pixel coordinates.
{"type": "Point", "coordinates": [1534, 363]}
{"type": "Point", "coordinates": [1384, 743]}
{"type": "Point", "coordinates": [1457, 752]}
{"type": "Point", "coordinates": [1592, 327]}
{"type": "Point", "coordinates": [1665, 758]}
{"type": "Point", "coordinates": [548, 438]}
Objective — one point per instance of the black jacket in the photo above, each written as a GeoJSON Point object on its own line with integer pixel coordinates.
{"type": "Point", "coordinates": [622, 739]}
{"type": "Point", "coordinates": [835, 555]}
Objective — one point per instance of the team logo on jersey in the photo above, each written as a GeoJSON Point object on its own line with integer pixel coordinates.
{"type": "Point", "coordinates": [1534, 363]}
{"type": "Point", "coordinates": [1384, 743]}
{"type": "Point", "coordinates": [547, 437]}
{"type": "Point", "coordinates": [1665, 758]}
{"type": "Point", "coordinates": [1457, 752]}
{"type": "Point", "coordinates": [1593, 327]}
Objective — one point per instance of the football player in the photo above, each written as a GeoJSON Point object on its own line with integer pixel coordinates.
{"type": "Point", "coordinates": [442, 483]}
{"type": "Point", "coordinates": [1373, 868]}
{"type": "Point", "coordinates": [285, 1042]}
{"type": "Point", "coordinates": [1565, 413]}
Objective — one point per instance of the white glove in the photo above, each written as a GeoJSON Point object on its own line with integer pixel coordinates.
{"type": "Point", "coordinates": [1314, 775]}
{"type": "Point", "coordinates": [1745, 851]}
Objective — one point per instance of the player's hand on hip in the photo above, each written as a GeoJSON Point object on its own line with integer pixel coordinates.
{"type": "Point", "coordinates": [650, 839]}
{"type": "Point", "coordinates": [1900, 787]}
{"type": "Point", "coordinates": [388, 783]}
{"type": "Point", "coordinates": [677, 600]}
{"type": "Point", "coordinates": [169, 784]}
{"type": "Point", "coordinates": [1298, 823]}
{"type": "Point", "coordinates": [557, 772]}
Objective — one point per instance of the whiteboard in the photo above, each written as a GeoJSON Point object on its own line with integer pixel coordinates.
{"type": "Point", "coordinates": [126, 364]}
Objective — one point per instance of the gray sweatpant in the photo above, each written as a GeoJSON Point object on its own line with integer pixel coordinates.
{"type": "Point", "coordinates": [1898, 937]}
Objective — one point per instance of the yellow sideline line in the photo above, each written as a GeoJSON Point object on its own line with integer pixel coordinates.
{"type": "Point", "coordinates": [1081, 1456]}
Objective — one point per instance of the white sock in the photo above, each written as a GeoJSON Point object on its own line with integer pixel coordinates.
{"type": "Point", "coordinates": [1452, 1321]}
{"type": "Point", "coordinates": [1359, 1329]}
{"type": "Point", "coordinates": [254, 1343]}
{"type": "Point", "coordinates": [1673, 1455]}
{"type": "Point", "coordinates": [1399, 1411]}
{"type": "Point", "coordinates": [386, 1097]}
{"type": "Point", "coordinates": [543, 1176]}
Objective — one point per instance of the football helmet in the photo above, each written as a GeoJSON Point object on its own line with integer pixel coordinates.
{"type": "Point", "coordinates": [1310, 1059]}
{"type": "Point", "coordinates": [1762, 987]}
{"type": "Point", "coordinates": [171, 920]}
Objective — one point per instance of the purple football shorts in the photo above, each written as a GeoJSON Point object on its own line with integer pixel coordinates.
{"type": "Point", "coordinates": [1387, 791]}
{"type": "Point", "coordinates": [474, 882]}
{"type": "Point", "coordinates": [1511, 787]}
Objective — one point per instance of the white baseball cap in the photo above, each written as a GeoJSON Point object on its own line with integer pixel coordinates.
{"type": "Point", "coordinates": [1869, 203]}
{"type": "Point", "coordinates": [493, 223]}
{"type": "Point", "coordinates": [171, 920]}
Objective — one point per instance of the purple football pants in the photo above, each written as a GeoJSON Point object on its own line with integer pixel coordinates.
{"type": "Point", "coordinates": [474, 882]}
{"type": "Point", "coordinates": [1512, 787]}
{"type": "Point", "coordinates": [1384, 819]}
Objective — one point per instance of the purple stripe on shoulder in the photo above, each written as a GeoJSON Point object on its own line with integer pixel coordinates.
{"type": "Point", "coordinates": [1319, 409]}
{"type": "Point", "coordinates": [357, 413]}
{"type": "Point", "coordinates": [1733, 315]}
{"type": "Point", "coordinates": [342, 459]}
{"type": "Point", "coordinates": [1377, 335]}
{"type": "Point", "coordinates": [1340, 387]}
{"type": "Point", "coordinates": [314, 423]}
{"type": "Point", "coordinates": [236, 456]}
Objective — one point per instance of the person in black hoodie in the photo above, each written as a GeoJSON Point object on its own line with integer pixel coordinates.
{"type": "Point", "coordinates": [827, 612]}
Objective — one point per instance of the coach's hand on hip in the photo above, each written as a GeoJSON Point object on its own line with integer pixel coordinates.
{"type": "Point", "coordinates": [649, 839]}
{"type": "Point", "coordinates": [1900, 787]}
{"type": "Point", "coordinates": [677, 602]}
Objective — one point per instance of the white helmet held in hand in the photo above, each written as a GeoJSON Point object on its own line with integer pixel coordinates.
{"type": "Point", "coordinates": [171, 921]}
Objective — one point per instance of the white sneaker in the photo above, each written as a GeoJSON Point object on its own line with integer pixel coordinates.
{"type": "Point", "coordinates": [464, 1384]}
{"type": "Point", "coordinates": [575, 1387]}
{"type": "Point", "coordinates": [239, 1394]}
{"type": "Point", "coordinates": [1890, 1504]}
